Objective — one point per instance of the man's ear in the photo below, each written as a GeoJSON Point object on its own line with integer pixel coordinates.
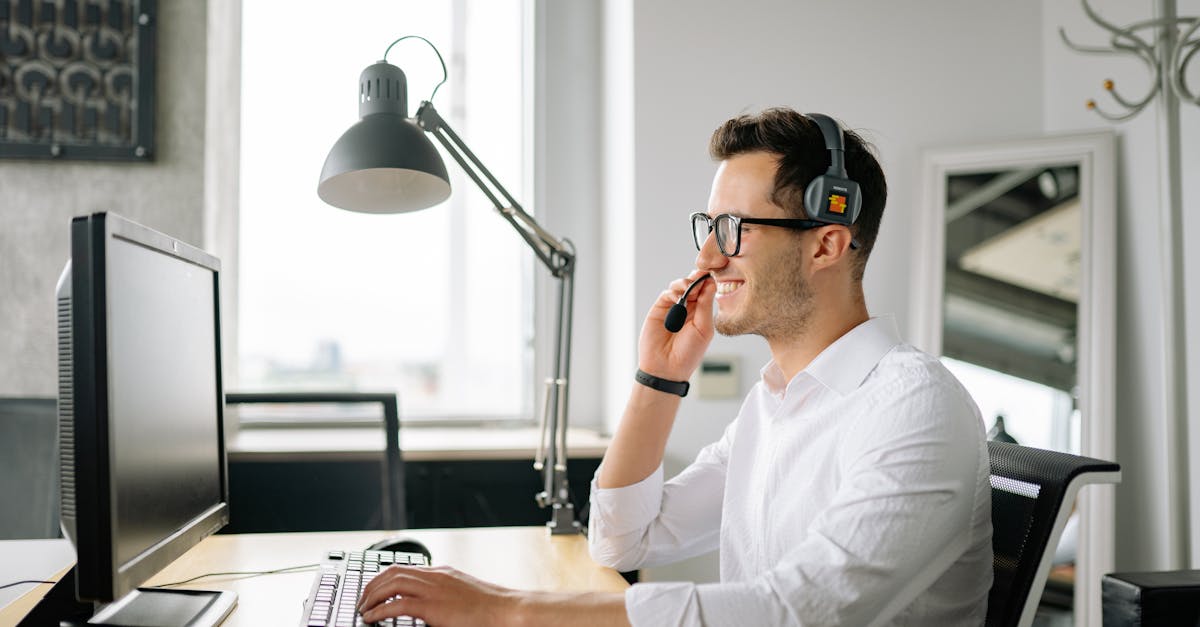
{"type": "Point", "coordinates": [832, 246]}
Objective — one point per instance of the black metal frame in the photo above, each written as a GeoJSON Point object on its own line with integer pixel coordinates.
{"type": "Point", "coordinates": [791, 223]}
{"type": "Point", "coordinates": [394, 515]}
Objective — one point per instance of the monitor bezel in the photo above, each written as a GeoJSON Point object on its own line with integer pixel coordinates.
{"type": "Point", "coordinates": [98, 577]}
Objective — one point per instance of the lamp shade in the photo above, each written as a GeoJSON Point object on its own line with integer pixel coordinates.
{"type": "Point", "coordinates": [384, 163]}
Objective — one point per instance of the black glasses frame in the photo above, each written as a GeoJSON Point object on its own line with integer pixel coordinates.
{"type": "Point", "coordinates": [738, 221]}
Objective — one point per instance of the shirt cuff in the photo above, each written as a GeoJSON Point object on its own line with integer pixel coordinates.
{"type": "Point", "coordinates": [679, 604]}
{"type": "Point", "coordinates": [662, 604]}
{"type": "Point", "coordinates": [617, 511]}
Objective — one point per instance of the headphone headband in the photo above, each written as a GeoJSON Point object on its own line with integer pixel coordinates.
{"type": "Point", "coordinates": [835, 143]}
{"type": "Point", "coordinates": [832, 197]}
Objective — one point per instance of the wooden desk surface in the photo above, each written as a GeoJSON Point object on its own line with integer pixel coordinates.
{"type": "Point", "coordinates": [527, 558]}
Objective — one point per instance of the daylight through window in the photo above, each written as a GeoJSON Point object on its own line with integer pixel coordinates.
{"type": "Point", "coordinates": [436, 304]}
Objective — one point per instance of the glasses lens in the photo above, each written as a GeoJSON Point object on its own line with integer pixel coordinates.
{"type": "Point", "coordinates": [727, 234]}
{"type": "Point", "coordinates": [700, 228]}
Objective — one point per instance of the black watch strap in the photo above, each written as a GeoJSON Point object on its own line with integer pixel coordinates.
{"type": "Point", "coordinates": [679, 388]}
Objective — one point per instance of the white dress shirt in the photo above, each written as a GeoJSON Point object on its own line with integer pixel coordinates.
{"type": "Point", "coordinates": [855, 494]}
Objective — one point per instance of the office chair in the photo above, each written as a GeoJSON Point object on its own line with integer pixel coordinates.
{"type": "Point", "coordinates": [392, 480]}
{"type": "Point", "coordinates": [1032, 494]}
{"type": "Point", "coordinates": [29, 468]}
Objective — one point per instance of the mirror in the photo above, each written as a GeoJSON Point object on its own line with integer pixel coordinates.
{"type": "Point", "coordinates": [1015, 290]}
{"type": "Point", "coordinates": [1009, 299]}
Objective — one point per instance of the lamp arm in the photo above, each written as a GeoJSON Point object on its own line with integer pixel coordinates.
{"type": "Point", "coordinates": [558, 255]}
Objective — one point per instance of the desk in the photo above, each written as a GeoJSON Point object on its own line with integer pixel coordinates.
{"type": "Point", "coordinates": [527, 558]}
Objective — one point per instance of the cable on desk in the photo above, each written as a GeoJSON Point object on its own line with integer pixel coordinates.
{"type": "Point", "coordinates": [17, 583]}
{"type": "Point", "coordinates": [246, 574]}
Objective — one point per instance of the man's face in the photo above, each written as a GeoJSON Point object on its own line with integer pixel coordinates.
{"type": "Point", "coordinates": [762, 290]}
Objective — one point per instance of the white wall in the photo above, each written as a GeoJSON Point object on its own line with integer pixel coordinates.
{"type": "Point", "coordinates": [566, 196]}
{"type": "Point", "coordinates": [908, 75]}
{"type": "Point", "coordinates": [1153, 527]}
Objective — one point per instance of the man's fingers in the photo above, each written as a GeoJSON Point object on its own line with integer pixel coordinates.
{"type": "Point", "coordinates": [678, 288]}
{"type": "Point", "coordinates": [404, 606]}
{"type": "Point", "coordinates": [394, 581]}
{"type": "Point", "coordinates": [702, 317]}
{"type": "Point", "coordinates": [438, 595]}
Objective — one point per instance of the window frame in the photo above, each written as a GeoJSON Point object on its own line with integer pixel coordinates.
{"type": "Point", "coordinates": [222, 210]}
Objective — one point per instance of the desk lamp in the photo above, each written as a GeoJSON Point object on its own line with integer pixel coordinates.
{"type": "Point", "coordinates": [386, 164]}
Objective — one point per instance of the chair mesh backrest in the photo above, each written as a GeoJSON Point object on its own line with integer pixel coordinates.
{"type": "Point", "coordinates": [1028, 486]}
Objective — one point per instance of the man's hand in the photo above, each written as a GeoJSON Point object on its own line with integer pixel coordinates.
{"type": "Point", "coordinates": [445, 597]}
{"type": "Point", "coordinates": [637, 446]}
{"type": "Point", "coordinates": [439, 595]}
{"type": "Point", "coordinates": [675, 356]}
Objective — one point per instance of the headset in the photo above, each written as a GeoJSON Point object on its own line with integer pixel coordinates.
{"type": "Point", "coordinates": [832, 197]}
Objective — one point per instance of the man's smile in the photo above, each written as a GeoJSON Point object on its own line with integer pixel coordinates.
{"type": "Point", "coordinates": [725, 288]}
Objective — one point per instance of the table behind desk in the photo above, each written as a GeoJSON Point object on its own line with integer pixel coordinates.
{"type": "Point", "coordinates": [527, 558]}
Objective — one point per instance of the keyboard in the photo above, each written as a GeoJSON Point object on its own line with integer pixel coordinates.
{"type": "Point", "coordinates": [339, 582]}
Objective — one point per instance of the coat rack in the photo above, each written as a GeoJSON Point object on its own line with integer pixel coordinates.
{"type": "Point", "coordinates": [1166, 44]}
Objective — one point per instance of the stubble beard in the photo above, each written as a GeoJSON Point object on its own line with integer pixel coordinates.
{"type": "Point", "coordinates": [777, 305]}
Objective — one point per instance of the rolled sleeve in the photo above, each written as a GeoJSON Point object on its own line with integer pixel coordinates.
{"type": "Point", "coordinates": [655, 522]}
{"type": "Point", "coordinates": [619, 517]}
{"type": "Point", "coordinates": [628, 508]}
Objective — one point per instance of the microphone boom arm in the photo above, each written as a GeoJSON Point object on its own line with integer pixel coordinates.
{"type": "Point", "coordinates": [558, 255]}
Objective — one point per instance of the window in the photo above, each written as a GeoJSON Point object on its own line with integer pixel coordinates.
{"type": "Point", "coordinates": [437, 304]}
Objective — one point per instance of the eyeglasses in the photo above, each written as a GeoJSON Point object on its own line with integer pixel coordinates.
{"type": "Point", "coordinates": [729, 229]}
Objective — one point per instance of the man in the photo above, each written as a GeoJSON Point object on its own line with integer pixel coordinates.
{"type": "Point", "coordinates": [851, 489]}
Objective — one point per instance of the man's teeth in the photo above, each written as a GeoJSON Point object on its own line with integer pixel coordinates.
{"type": "Point", "coordinates": [726, 288]}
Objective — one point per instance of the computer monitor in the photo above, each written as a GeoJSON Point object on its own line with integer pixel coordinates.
{"type": "Point", "coordinates": [141, 440]}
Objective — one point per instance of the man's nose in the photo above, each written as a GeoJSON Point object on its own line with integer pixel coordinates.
{"type": "Point", "coordinates": [709, 257]}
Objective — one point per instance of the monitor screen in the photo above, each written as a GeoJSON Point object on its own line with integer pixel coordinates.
{"type": "Point", "coordinates": [142, 447]}
{"type": "Point", "coordinates": [162, 394]}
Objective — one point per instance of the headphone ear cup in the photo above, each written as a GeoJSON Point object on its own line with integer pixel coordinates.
{"type": "Point", "coordinates": [832, 200]}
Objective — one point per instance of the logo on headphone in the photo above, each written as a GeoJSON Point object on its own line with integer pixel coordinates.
{"type": "Point", "coordinates": [837, 203]}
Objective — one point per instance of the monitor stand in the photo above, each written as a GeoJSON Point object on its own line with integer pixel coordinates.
{"type": "Point", "coordinates": [160, 607]}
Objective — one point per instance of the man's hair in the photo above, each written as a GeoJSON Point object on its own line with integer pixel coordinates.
{"type": "Point", "coordinates": [798, 143]}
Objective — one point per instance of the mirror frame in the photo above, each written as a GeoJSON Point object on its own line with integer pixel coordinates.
{"type": "Point", "coordinates": [1095, 153]}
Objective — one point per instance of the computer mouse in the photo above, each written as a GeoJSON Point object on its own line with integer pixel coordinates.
{"type": "Point", "coordinates": [402, 545]}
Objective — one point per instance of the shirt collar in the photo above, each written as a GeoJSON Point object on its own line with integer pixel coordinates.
{"type": "Point", "coordinates": [845, 363]}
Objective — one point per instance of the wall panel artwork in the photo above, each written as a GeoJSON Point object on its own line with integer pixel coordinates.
{"type": "Point", "coordinates": [77, 79]}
